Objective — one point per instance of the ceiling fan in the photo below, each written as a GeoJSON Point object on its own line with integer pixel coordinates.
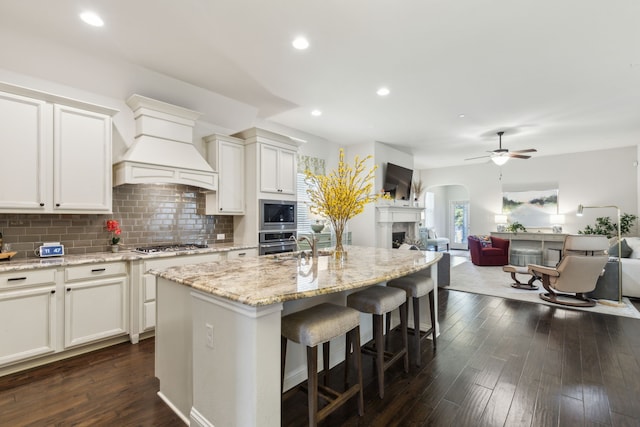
{"type": "Point", "coordinates": [502, 155]}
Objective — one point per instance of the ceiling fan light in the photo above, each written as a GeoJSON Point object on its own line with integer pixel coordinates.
{"type": "Point", "coordinates": [500, 160]}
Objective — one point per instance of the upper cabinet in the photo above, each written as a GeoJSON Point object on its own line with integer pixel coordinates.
{"type": "Point", "coordinates": [226, 155]}
{"type": "Point", "coordinates": [277, 170]}
{"type": "Point", "coordinates": [271, 164]}
{"type": "Point", "coordinates": [56, 153]}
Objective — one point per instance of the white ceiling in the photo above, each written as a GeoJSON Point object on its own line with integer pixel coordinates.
{"type": "Point", "coordinates": [560, 76]}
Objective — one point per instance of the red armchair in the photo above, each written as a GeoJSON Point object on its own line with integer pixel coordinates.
{"type": "Point", "coordinates": [496, 253]}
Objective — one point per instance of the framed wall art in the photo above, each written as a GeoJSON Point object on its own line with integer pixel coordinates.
{"type": "Point", "coordinates": [531, 208]}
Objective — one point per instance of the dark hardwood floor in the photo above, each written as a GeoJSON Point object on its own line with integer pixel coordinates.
{"type": "Point", "coordinates": [499, 363]}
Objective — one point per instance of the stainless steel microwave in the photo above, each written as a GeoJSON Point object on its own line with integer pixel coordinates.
{"type": "Point", "coordinates": [278, 215]}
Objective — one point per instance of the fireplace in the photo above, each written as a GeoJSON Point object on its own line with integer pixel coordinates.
{"type": "Point", "coordinates": [397, 238]}
{"type": "Point", "coordinates": [393, 220]}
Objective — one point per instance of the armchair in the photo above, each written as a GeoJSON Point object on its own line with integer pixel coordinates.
{"type": "Point", "coordinates": [583, 261]}
{"type": "Point", "coordinates": [489, 250]}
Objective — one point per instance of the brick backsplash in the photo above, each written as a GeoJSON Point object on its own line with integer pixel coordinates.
{"type": "Point", "coordinates": [148, 214]}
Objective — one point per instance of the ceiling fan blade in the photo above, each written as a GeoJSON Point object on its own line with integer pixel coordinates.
{"type": "Point", "coordinates": [518, 156]}
{"type": "Point", "coordinates": [474, 158]}
{"type": "Point", "coordinates": [529, 150]}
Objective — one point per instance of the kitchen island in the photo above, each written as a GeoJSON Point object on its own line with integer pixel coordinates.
{"type": "Point", "coordinates": [218, 327]}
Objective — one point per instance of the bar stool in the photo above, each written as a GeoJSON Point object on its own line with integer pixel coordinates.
{"type": "Point", "coordinates": [312, 327]}
{"type": "Point", "coordinates": [416, 286]}
{"type": "Point", "coordinates": [378, 301]}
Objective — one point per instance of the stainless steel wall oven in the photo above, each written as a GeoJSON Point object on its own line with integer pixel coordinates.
{"type": "Point", "coordinates": [275, 242]}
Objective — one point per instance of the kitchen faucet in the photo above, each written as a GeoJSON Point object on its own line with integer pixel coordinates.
{"type": "Point", "coordinates": [313, 243]}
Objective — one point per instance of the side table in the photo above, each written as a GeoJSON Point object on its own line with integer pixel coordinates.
{"type": "Point", "coordinates": [607, 285]}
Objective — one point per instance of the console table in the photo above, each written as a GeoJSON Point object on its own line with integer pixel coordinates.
{"type": "Point", "coordinates": [549, 243]}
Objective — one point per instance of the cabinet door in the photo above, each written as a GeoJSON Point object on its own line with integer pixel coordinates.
{"type": "Point", "coordinates": [95, 310]}
{"type": "Point", "coordinates": [269, 169]}
{"type": "Point", "coordinates": [23, 161]}
{"type": "Point", "coordinates": [287, 172]}
{"type": "Point", "coordinates": [27, 323]}
{"type": "Point", "coordinates": [82, 160]}
{"type": "Point", "coordinates": [231, 177]}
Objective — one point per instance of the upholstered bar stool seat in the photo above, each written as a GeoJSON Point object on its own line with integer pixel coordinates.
{"type": "Point", "coordinates": [416, 286]}
{"type": "Point", "coordinates": [312, 327]}
{"type": "Point", "coordinates": [378, 301]}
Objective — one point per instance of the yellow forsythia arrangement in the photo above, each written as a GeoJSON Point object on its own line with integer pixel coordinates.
{"type": "Point", "coordinates": [342, 194]}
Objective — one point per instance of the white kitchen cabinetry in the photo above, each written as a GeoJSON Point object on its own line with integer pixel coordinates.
{"type": "Point", "coordinates": [143, 298]}
{"type": "Point", "coordinates": [57, 154]}
{"type": "Point", "coordinates": [226, 155]}
{"type": "Point", "coordinates": [27, 315]}
{"type": "Point", "coordinates": [96, 297]}
{"type": "Point", "coordinates": [270, 173]}
{"type": "Point", "coordinates": [277, 170]}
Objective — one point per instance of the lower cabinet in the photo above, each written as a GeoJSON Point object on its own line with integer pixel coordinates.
{"type": "Point", "coordinates": [95, 303]}
{"type": "Point", "coordinates": [27, 315]}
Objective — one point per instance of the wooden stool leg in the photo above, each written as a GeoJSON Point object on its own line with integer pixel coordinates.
{"type": "Point", "coordinates": [405, 338]}
{"type": "Point", "coordinates": [347, 358]}
{"type": "Point", "coordinates": [358, 354]}
{"type": "Point", "coordinates": [283, 357]}
{"type": "Point", "coordinates": [379, 342]}
{"type": "Point", "coordinates": [312, 373]}
{"type": "Point", "coordinates": [325, 362]}
{"type": "Point", "coordinates": [416, 328]}
{"type": "Point", "coordinates": [432, 313]}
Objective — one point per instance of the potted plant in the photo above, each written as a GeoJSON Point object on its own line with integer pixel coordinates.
{"type": "Point", "coordinates": [514, 227]}
{"type": "Point", "coordinates": [113, 227]}
{"type": "Point", "coordinates": [605, 227]}
{"type": "Point", "coordinates": [417, 188]}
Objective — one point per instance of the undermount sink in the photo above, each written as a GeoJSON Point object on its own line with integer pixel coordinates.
{"type": "Point", "coordinates": [300, 255]}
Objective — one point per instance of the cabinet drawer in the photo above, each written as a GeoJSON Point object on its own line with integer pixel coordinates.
{"type": "Point", "coordinates": [94, 271]}
{"type": "Point", "coordinates": [27, 278]}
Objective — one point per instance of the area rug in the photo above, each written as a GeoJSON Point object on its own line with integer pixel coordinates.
{"type": "Point", "coordinates": [493, 281]}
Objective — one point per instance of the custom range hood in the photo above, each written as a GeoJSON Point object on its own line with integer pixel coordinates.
{"type": "Point", "coordinates": [163, 151]}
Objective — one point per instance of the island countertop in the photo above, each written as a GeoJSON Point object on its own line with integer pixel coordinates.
{"type": "Point", "coordinates": [271, 279]}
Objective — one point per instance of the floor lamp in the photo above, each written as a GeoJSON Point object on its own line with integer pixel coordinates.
{"type": "Point", "coordinates": [579, 213]}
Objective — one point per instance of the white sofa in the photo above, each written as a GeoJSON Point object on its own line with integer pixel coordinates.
{"type": "Point", "coordinates": [631, 269]}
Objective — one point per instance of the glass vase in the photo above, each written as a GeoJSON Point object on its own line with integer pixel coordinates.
{"type": "Point", "coordinates": [338, 233]}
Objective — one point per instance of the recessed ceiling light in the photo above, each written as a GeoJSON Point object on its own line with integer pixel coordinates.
{"type": "Point", "coordinates": [92, 19]}
{"type": "Point", "coordinates": [383, 91]}
{"type": "Point", "coordinates": [300, 43]}
{"type": "Point", "coordinates": [461, 116]}
{"type": "Point", "coordinates": [316, 113]}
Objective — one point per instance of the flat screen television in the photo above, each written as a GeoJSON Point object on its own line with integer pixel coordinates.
{"type": "Point", "coordinates": [397, 182]}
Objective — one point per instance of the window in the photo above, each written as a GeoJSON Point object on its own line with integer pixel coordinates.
{"type": "Point", "coordinates": [316, 166]}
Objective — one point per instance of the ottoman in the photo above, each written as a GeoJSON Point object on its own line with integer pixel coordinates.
{"type": "Point", "coordinates": [525, 256]}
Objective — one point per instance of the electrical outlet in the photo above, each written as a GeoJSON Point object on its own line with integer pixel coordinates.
{"type": "Point", "coordinates": [220, 236]}
{"type": "Point", "coordinates": [209, 329]}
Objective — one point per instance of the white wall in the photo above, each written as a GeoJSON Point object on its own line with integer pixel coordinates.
{"type": "Point", "coordinates": [607, 177]}
{"type": "Point", "coordinates": [364, 227]}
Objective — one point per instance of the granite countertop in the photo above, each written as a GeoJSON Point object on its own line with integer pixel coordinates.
{"type": "Point", "coordinates": [123, 255]}
{"type": "Point", "coordinates": [271, 279]}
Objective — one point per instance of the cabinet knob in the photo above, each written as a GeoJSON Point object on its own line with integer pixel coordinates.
{"type": "Point", "coordinates": [41, 204]}
{"type": "Point", "coordinates": [53, 292]}
{"type": "Point", "coordinates": [220, 208]}
{"type": "Point", "coordinates": [57, 205]}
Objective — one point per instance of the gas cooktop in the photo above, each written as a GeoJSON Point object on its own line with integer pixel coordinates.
{"type": "Point", "coordinates": [170, 248]}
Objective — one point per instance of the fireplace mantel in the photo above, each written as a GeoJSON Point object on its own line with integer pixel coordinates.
{"type": "Point", "coordinates": [398, 213]}
{"type": "Point", "coordinates": [387, 215]}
